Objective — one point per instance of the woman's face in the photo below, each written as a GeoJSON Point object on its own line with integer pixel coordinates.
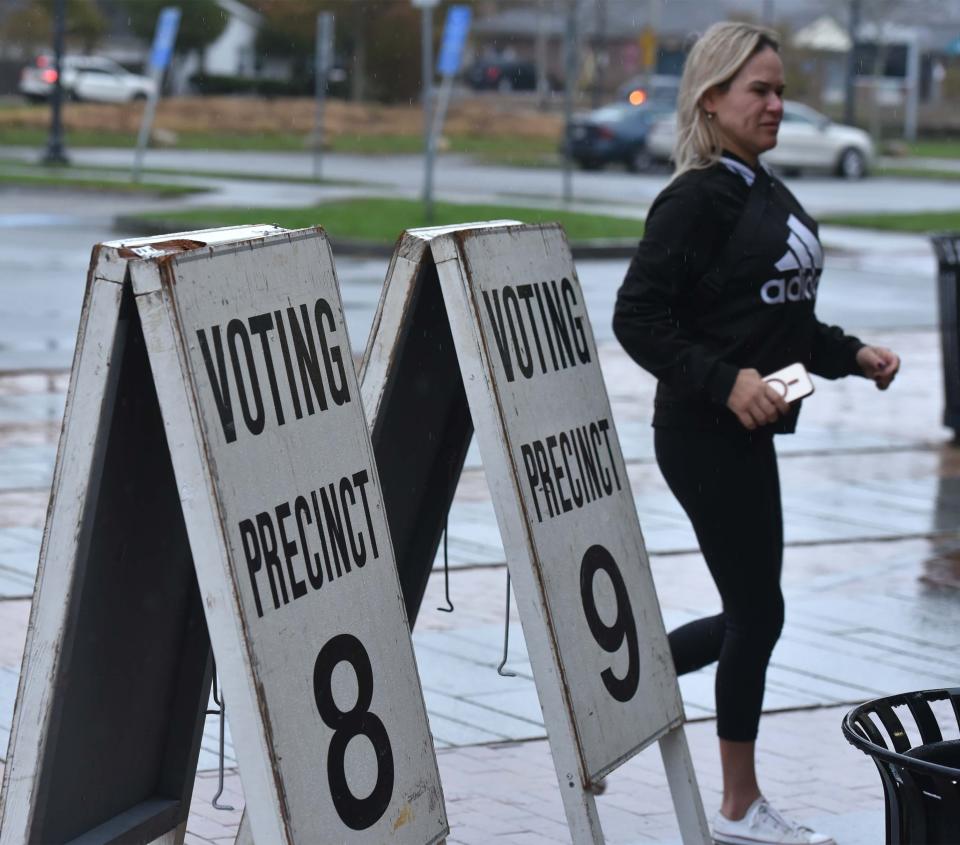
{"type": "Point", "coordinates": [748, 113]}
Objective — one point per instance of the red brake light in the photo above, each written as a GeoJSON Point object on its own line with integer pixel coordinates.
{"type": "Point", "coordinates": [49, 75]}
{"type": "Point", "coordinates": [492, 73]}
{"type": "Point", "coordinates": [43, 61]}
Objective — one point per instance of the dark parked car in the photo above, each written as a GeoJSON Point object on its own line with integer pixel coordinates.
{"type": "Point", "coordinates": [502, 75]}
{"type": "Point", "coordinates": [614, 133]}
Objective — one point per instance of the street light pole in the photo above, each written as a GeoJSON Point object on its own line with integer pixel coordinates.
{"type": "Point", "coordinates": [570, 81]}
{"type": "Point", "coordinates": [850, 94]}
{"type": "Point", "coordinates": [55, 153]}
{"type": "Point", "coordinates": [426, 58]}
{"type": "Point", "coordinates": [768, 12]}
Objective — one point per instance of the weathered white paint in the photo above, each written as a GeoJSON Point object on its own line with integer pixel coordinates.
{"type": "Point", "coordinates": [590, 731]}
{"type": "Point", "coordinates": [267, 662]}
{"type": "Point", "coordinates": [393, 309]}
{"type": "Point", "coordinates": [509, 414]}
{"type": "Point", "coordinates": [79, 454]}
{"type": "Point", "coordinates": [683, 786]}
{"type": "Point", "coordinates": [96, 363]}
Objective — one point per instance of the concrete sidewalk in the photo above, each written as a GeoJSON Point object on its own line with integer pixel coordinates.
{"type": "Point", "coordinates": [872, 573]}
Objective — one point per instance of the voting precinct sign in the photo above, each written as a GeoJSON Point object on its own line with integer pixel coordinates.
{"type": "Point", "coordinates": [551, 453]}
{"type": "Point", "coordinates": [275, 479]}
{"type": "Point", "coordinates": [527, 364]}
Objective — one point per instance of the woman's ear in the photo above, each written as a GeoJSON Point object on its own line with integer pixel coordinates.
{"type": "Point", "coordinates": [708, 102]}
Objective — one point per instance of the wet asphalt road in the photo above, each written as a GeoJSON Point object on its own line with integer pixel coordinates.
{"type": "Point", "coordinates": [46, 238]}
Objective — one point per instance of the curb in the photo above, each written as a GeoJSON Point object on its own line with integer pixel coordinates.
{"type": "Point", "coordinates": [599, 248]}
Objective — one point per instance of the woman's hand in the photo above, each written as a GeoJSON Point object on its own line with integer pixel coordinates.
{"type": "Point", "coordinates": [879, 363]}
{"type": "Point", "coordinates": [754, 401]}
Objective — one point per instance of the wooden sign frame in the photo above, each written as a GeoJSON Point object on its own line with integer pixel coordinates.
{"type": "Point", "coordinates": [445, 264]}
{"type": "Point", "coordinates": [144, 549]}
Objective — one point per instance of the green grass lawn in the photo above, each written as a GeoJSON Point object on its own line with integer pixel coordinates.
{"type": "Point", "coordinates": [526, 152]}
{"type": "Point", "coordinates": [382, 220]}
{"type": "Point", "coordinates": [945, 148]}
{"type": "Point", "coordinates": [31, 176]}
{"type": "Point", "coordinates": [924, 222]}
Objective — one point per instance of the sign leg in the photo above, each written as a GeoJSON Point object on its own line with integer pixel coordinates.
{"type": "Point", "coordinates": [683, 788]}
{"type": "Point", "coordinates": [581, 809]}
{"type": "Point", "coordinates": [244, 835]}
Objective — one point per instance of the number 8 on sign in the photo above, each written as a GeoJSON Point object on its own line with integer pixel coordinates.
{"type": "Point", "coordinates": [356, 813]}
{"type": "Point", "coordinates": [611, 637]}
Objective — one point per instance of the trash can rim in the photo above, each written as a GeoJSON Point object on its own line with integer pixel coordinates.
{"type": "Point", "coordinates": [860, 742]}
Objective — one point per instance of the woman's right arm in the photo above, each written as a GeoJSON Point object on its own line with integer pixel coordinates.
{"type": "Point", "coordinates": [679, 243]}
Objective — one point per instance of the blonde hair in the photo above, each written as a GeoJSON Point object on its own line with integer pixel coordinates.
{"type": "Point", "coordinates": [715, 59]}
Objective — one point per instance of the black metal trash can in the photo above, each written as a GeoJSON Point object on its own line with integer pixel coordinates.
{"type": "Point", "coordinates": [921, 783]}
{"type": "Point", "coordinates": [947, 248]}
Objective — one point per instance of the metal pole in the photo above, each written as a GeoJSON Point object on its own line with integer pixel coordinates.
{"type": "Point", "coordinates": [850, 96]}
{"type": "Point", "coordinates": [912, 93]}
{"type": "Point", "coordinates": [768, 12]}
{"type": "Point", "coordinates": [55, 153]}
{"type": "Point", "coordinates": [599, 52]}
{"type": "Point", "coordinates": [146, 126]}
{"type": "Point", "coordinates": [323, 59]}
{"type": "Point", "coordinates": [653, 10]}
{"type": "Point", "coordinates": [570, 80]}
{"type": "Point", "coordinates": [426, 55]}
{"type": "Point", "coordinates": [540, 48]}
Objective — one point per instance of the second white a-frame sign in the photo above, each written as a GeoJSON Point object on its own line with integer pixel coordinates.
{"type": "Point", "coordinates": [575, 552]}
{"type": "Point", "coordinates": [215, 465]}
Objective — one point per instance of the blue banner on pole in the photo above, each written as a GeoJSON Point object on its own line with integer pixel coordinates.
{"type": "Point", "coordinates": [454, 36]}
{"type": "Point", "coordinates": [164, 38]}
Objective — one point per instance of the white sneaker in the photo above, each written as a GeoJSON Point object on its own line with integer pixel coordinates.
{"type": "Point", "coordinates": [762, 825]}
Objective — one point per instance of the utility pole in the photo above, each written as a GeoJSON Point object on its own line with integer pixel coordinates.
{"type": "Point", "coordinates": [651, 40]}
{"type": "Point", "coordinates": [850, 94]}
{"type": "Point", "coordinates": [599, 51]}
{"type": "Point", "coordinates": [323, 61]}
{"type": "Point", "coordinates": [768, 12]}
{"type": "Point", "coordinates": [912, 92]}
{"type": "Point", "coordinates": [569, 83]}
{"type": "Point", "coordinates": [426, 93]}
{"type": "Point", "coordinates": [540, 54]}
{"type": "Point", "coordinates": [55, 153]}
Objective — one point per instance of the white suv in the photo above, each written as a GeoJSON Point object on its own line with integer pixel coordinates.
{"type": "Point", "coordinates": [84, 78]}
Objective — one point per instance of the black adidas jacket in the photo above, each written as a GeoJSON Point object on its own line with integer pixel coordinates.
{"type": "Point", "coordinates": [677, 318]}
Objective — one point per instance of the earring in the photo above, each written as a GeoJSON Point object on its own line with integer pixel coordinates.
{"type": "Point", "coordinates": [710, 115]}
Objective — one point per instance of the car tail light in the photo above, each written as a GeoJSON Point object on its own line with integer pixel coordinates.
{"type": "Point", "coordinates": [43, 61]}
{"type": "Point", "coordinates": [493, 73]}
{"type": "Point", "coordinates": [605, 132]}
{"type": "Point", "coordinates": [49, 75]}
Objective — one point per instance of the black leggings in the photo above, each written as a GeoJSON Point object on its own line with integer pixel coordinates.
{"type": "Point", "coordinates": [729, 487]}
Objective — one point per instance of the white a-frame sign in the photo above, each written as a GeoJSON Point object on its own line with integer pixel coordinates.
{"type": "Point", "coordinates": [215, 474]}
{"type": "Point", "coordinates": [528, 364]}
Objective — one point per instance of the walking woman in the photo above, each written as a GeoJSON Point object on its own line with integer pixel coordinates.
{"type": "Point", "coordinates": [720, 292]}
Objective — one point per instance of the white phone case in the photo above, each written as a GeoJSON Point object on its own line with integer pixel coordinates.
{"type": "Point", "coordinates": [792, 382]}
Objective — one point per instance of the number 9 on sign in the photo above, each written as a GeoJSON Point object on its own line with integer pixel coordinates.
{"type": "Point", "coordinates": [610, 637]}
{"type": "Point", "coordinates": [356, 813]}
